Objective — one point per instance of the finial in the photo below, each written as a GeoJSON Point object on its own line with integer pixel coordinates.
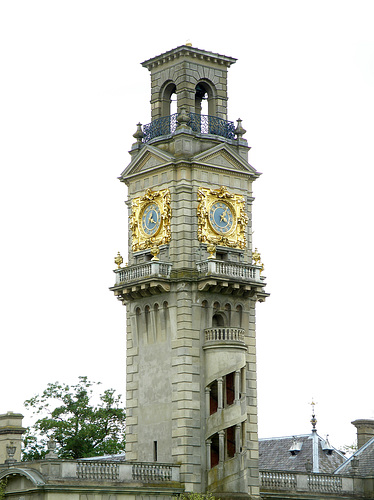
{"type": "Point", "coordinates": [118, 260]}
{"type": "Point", "coordinates": [256, 257]}
{"type": "Point", "coordinates": [313, 420]}
{"type": "Point", "coordinates": [239, 131]}
{"type": "Point", "coordinates": [212, 250]}
{"type": "Point", "coordinates": [139, 134]}
{"type": "Point", "coordinates": [188, 43]}
{"type": "Point", "coordinates": [155, 251]}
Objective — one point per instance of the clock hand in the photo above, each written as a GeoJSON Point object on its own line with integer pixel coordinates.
{"type": "Point", "coordinates": [223, 216]}
{"type": "Point", "coordinates": [150, 218]}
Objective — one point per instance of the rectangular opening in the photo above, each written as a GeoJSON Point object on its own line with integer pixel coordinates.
{"type": "Point", "coordinates": [230, 441]}
{"type": "Point", "coordinates": [230, 388]}
{"type": "Point", "coordinates": [214, 451]}
{"type": "Point", "coordinates": [213, 398]}
{"type": "Point", "coordinates": [155, 451]}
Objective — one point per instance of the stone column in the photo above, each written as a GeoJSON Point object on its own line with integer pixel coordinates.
{"type": "Point", "coordinates": [220, 393]}
{"type": "Point", "coordinates": [11, 431]}
{"type": "Point", "coordinates": [208, 453]}
{"type": "Point", "coordinates": [237, 387]}
{"type": "Point", "coordinates": [221, 436]}
{"type": "Point", "coordinates": [237, 438]}
{"type": "Point", "coordinates": [207, 402]}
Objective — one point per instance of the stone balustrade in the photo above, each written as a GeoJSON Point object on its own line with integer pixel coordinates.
{"type": "Point", "coordinates": [151, 472]}
{"type": "Point", "coordinates": [98, 470]}
{"type": "Point", "coordinates": [220, 333]}
{"type": "Point", "coordinates": [127, 472]}
{"type": "Point", "coordinates": [316, 483]}
{"type": "Point", "coordinates": [132, 273]}
{"type": "Point", "coordinates": [229, 269]}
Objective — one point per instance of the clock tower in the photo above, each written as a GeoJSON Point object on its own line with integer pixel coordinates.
{"type": "Point", "coordinates": [192, 282]}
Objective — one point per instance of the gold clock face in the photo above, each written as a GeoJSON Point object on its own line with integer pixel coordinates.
{"type": "Point", "coordinates": [222, 219]}
{"type": "Point", "coordinates": [150, 219]}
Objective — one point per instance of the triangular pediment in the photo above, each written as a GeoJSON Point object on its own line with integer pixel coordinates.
{"type": "Point", "coordinates": [149, 158]}
{"type": "Point", "coordinates": [224, 157]}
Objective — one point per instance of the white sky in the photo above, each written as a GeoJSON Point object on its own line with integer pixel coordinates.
{"type": "Point", "coordinates": [72, 90]}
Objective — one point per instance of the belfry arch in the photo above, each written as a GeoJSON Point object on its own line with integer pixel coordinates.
{"type": "Point", "coordinates": [168, 90]}
{"type": "Point", "coordinates": [205, 90]}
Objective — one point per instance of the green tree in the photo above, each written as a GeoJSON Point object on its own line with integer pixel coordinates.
{"type": "Point", "coordinates": [79, 427]}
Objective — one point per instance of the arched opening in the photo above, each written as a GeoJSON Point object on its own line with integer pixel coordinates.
{"type": "Point", "coordinates": [228, 313]}
{"type": "Point", "coordinates": [147, 321]}
{"type": "Point", "coordinates": [168, 99]}
{"type": "Point", "coordinates": [204, 99]}
{"type": "Point", "coordinates": [239, 316]}
{"type": "Point", "coordinates": [218, 320]}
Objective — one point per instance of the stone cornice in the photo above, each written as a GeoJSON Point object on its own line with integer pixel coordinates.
{"type": "Point", "coordinates": [187, 51]}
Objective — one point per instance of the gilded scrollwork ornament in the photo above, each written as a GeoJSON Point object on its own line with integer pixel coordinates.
{"type": "Point", "coordinates": [150, 220]}
{"type": "Point", "coordinates": [222, 219]}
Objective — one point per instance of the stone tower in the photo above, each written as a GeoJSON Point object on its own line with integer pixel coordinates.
{"type": "Point", "coordinates": [190, 286]}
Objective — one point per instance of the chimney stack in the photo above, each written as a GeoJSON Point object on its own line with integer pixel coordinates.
{"type": "Point", "coordinates": [365, 431]}
{"type": "Point", "coordinates": [11, 431]}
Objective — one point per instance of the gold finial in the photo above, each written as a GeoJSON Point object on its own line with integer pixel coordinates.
{"type": "Point", "coordinates": [212, 250]}
{"type": "Point", "coordinates": [256, 257]}
{"type": "Point", "coordinates": [188, 43]}
{"type": "Point", "coordinates": [155, 251]}
{"type": "Point", "coordinates": [313, 420]}
{"type": "Point", "coordinates": [118, 260]}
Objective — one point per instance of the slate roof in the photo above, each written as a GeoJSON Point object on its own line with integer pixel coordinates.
{"type": "Point", "coordinates": [365, 456]}
{"type": "Point", "coordinates": [119, 457]}
{"type": "Point", "coordinates": [274, 454]}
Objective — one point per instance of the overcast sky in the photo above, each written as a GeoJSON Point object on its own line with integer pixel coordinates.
{"type": "Point", "coordinates": [72, 90]}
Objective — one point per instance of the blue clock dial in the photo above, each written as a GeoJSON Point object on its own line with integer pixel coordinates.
{"type": "Point", "coordinates": [221, 217]}
{"type": "Point", "coordinates": [151, 219]}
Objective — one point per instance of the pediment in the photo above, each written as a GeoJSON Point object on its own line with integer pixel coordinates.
{"type": "Point", "coordinates": [223, 156]}
{"type": "Point", "coordinates": [148, 159]}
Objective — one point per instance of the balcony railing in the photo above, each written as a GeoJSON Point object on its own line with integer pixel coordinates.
{"type": "Point", "coordinates": [220, 333]}
{"type": "Point", "coordinates": [203, 124]}
{"type": "Point", "coordinates": [229, 269]}
{"type": "Point", "coordinates": [131, 273]}
{"type": "Point", "coordinates": [317, 483]}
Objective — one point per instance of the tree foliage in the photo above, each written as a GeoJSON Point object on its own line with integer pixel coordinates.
{"type": "Point", "coordinates": [79, 427]}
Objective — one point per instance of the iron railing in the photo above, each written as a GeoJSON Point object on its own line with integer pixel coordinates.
{"type": "Point", "coordinates": [204, 124]}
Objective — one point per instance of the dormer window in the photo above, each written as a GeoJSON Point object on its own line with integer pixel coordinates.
{"type": "Point", "coordinates": [295, 447]}
{"type": "Point", "coordinates": [326, 446]}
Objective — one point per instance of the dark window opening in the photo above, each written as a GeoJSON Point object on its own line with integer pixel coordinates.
{"type": "Point", "coordinates": [213, 397]}
{"type": "Point", "coordinates": [230, 441]}
{"type": "Point", "coordinates": [214, 451]}
{"type": "Point", "coordinates": [230, 388]}
{"type": "Point", "coordinates": [155, 451]}
{"type": "Point", "coordinates": [218, 320]}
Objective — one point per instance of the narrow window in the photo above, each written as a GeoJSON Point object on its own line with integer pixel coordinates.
{"type": "Point", "coordinates": [213, 397]}
{"type": "Point", "coordinates": [230, 388]}
{"type": "Point", "coordinates": [230, 441]}
{"type": "Point", "coordinates": [155, 451]}
{"type": "Point", "coordinates": [214, 451]}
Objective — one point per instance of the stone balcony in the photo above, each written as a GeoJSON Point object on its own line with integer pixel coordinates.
{"type": "Point", "coordinates": [150, 278]}
{"type": "Point", "coordinates": [142, 280]}
{"type": "Point", "coordinates": [274, 484]}
{"type": "Point", "coordinates": [232, 278]}
{"type": "Point", "coordinates": [81, 476]}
